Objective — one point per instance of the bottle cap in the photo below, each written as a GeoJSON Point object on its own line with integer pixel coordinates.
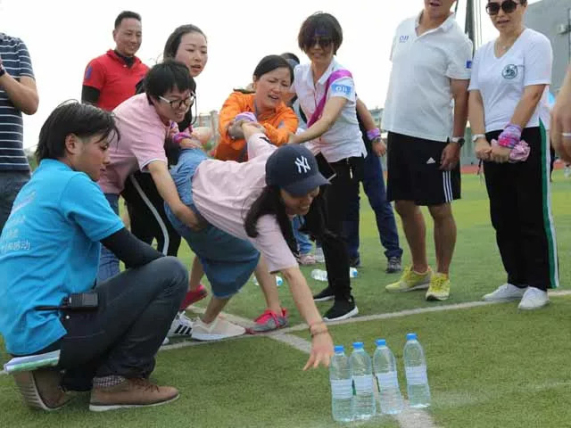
{"type": "Point", "coordinates": [358, 345]}
{"type": "Point", "coordinates": [411, 336]}
{"type": "Point", "coordinates": [381, 342]}
{"type": "Point", "coordinates": [339, 349]}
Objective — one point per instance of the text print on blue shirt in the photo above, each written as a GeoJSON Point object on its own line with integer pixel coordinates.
{"type": "Point", "coordinates": [403, 39]}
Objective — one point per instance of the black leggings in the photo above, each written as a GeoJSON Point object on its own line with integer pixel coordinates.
{"type": "Point", "coordinates": [147, 212]}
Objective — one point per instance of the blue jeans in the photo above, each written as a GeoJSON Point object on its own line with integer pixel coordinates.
{"type": "Point", "coordinates": [303, 242]}
{"type": "Point", "coordinates": [374, 185]}
{"type": "Point", "coordinates": [228, 261]}
{"type": "Point", "coordinates": [10, 184]}
{"type": "Point", "coordinates": [108, 262]}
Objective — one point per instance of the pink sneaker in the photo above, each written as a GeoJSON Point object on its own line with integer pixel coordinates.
{"type": "Point", "coordinates": [269, 321]}
{"type": "Point", "coordinates": [193, 296]}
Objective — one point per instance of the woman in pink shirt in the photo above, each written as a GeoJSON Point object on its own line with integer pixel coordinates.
{"type": "Point", "coordinates": [246, 207]}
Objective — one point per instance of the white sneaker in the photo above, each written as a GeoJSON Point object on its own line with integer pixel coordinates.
{"type": "Point", "coordinates": [533, 298]}
{"type": "Point", "coordinates": [505, 293]}
{"type": "Point", "coordinates": [166, 341]}
{"type": "Point", "coordinates": [319, 256]}
{"type": "Point", "coordinates": [216, 330]}
{"type": "Point", "coordinates": [181, 326]}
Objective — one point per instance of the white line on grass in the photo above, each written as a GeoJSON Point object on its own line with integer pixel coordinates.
{"type": "Point", "coordinates": [409, 312]}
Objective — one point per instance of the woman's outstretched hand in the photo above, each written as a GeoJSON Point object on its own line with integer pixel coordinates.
{"type": "Point", "coordinates": [321, 350]}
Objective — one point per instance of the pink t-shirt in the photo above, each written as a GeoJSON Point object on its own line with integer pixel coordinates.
{"type": "Point", "coordinates": [224, 191]}
{"type": "Point", "coordinates": [142, 140]}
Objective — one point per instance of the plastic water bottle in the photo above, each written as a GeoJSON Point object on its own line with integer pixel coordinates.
{"type": "Point", "coordinates": [415, 368]}
{"type": "Point", "coordinates": [385, 368]}
{"type": "Point", "coordinates": [353, 272]}
{"type": "Point", "coordinates": [319, 274]}
{"type": "Point", "coordinates": [341, 386]}
{"type": "Point", "coordinates": [362, 373]}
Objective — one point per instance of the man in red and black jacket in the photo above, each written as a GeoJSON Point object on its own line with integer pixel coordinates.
{"type": "Point", "coordinates": [112, 77]}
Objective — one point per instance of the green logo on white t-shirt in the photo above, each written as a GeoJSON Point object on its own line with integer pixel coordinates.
{"type": "Point", "coordinates": [510, 71]}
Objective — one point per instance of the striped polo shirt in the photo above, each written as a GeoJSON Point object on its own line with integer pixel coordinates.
{"type": "Point", "coordinates": [16, 61]}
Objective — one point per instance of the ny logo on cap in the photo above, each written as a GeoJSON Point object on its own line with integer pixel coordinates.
{"type": "Point", "coordinates": [301, 163]}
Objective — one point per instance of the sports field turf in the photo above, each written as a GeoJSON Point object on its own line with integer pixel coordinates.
{"type": "Point", "coordinates": [489, 366]}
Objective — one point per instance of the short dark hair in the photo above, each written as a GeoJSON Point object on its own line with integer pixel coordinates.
{"type": "Point", "coordinates": [290, 56]}
{"type": "Point", "coordinates": [323, 24]}
{"type": "Point", "coordinates": [72, 117]}
{"type": "Point", "coordinates": [126, 14]}
{"type": "Point", "coordinates": [173, 42]}
{"type": "Point", "coordinates": [270, 63]}
{"type": "Point", "coordinates": [166, 76]}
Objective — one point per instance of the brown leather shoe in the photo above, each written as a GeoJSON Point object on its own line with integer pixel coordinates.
{"type": "Point", "coordinates": [131, 393]}
{"type": "Point", "coordinates": [41, 389]}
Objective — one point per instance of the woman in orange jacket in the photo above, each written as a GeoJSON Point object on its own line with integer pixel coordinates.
{"type": "Point", "coordinates": [272, 79]}
{"type": "Point", "coordinates": [263, 104]}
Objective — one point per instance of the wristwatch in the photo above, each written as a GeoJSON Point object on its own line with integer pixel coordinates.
{"type": "Point", "coordinates": [458, 140]}
{"type": "Point", "coordinates": [476, 137]}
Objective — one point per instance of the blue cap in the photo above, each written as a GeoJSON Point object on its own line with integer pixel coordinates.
{"type": "Point", "coordinates": [339, 349]}
{"type": "Point", "coordinates": [411, 336]}
{"type": "Point", "coordinates": [357, 345]}
{"type": "Point", "coordinates": [381, 342]}
{"type": "Point", "coordinates": [293, 168]}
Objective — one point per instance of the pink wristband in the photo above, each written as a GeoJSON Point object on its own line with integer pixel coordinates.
{"type": "Point", "coordinates": [510, 136]}
{"type": "Point", "coordinates": [373, 133]}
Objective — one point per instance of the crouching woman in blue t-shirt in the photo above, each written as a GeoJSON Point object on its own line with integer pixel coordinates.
{"type": "Point", "coordinates": [49, 250]}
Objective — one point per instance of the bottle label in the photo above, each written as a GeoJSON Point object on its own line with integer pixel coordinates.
{"type": "Point", "coordinates": [341, 388]}
{"type": "Point", "coordinates": [388, 380]}
{"type": "Point", "coordinates": [363, 384]}
{"type": "Point", "coordinates": [416, 375]}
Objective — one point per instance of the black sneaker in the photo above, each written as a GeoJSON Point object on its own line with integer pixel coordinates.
{"type": "Point", "coordinates": [341, 309]}
{"type": "Point", "coordinates": [354, 262]}
{"type": "Point", "coordinates": [394, 265]}
{"type": "Point", "coordinates": [324, 295]}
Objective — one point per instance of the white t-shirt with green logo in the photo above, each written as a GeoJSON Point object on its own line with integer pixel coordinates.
{"type": "Point", "coordinates": [501, 81]}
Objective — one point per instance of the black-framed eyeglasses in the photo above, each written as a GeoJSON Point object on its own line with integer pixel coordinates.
{"type": "Point", "coordinates": [176, 104]}
{"type": "Point", "coordinates": [507, 6]}
{"type": "Point", "coordinates": [323, 42]}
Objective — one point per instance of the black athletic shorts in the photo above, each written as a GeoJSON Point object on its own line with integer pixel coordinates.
{"type": "Point", "coordinates": [414, 172]}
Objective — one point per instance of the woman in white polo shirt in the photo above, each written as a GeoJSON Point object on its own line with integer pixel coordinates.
{"type": "Point", "coordinates": [326, 94]}
{"type": "Point", "coordinates": [509, 116]}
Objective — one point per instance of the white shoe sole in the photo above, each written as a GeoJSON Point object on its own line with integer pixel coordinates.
{"type": "Point", "coordinates": [423, 286]}
{"type": "Point", "coordinates": [105, 407]}
{"type": "Point", "coordinates": [324, 299]}
{"type": "Point", "coordinates": [531, 308]}
{"type": "Point", "coordinates": [206, 337]}
{"type": "Point", "coordinates": [349, 314]}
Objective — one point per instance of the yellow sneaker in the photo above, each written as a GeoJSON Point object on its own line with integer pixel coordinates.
{"type": "Point", "coordinates": [410, 280]}
{"type": "Point", "coordinates": [439, 287]}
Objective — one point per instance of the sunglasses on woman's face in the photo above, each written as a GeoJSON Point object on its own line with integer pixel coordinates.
{"type": "Point", "coordinates": [508, 7]}
{"type": "Point", "coordinates": [324, 43]}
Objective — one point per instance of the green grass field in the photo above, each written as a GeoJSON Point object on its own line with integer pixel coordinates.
{"type": "Point", "coordinates": [489, 366]}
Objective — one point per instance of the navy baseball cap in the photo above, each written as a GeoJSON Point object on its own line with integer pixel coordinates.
{"type": "Point", "coordinates": [293, 168]}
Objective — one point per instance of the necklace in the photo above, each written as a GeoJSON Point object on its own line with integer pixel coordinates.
{"type": "Point", "coordinates": [505, 47]}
